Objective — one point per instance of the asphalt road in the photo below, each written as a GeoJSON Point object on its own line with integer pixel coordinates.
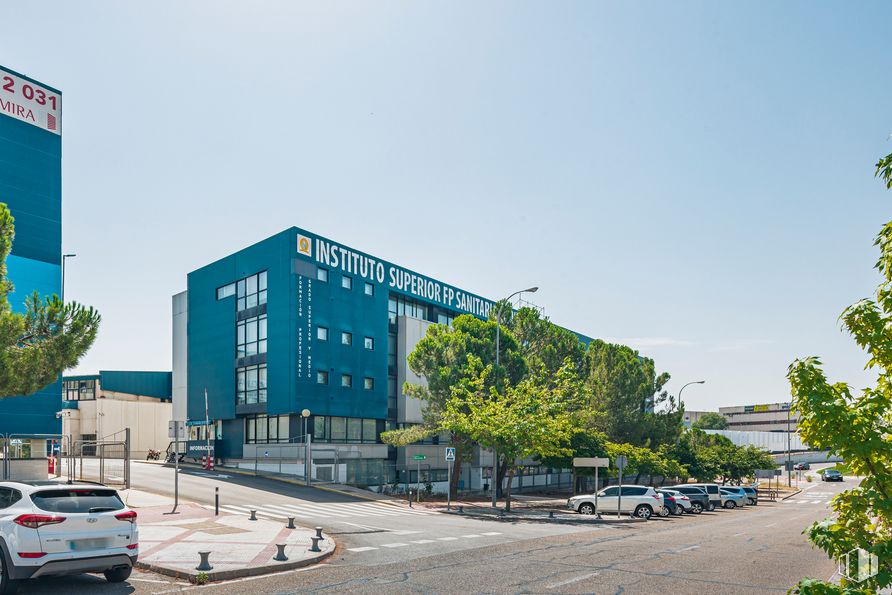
{"type": "Point", "coordinates": [753, 550]}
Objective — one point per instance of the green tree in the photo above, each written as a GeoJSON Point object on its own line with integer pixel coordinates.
{"type": "Point", "coordinates": [711, 421]}
{"type": "Point", "coordinates": [445, 357]}
{"type": "Point", "coordinates": [627, 397]}
{"type": "Point", "coordinates": [38, 345]}
{"type": "Point", "coordinates": [855, 425]}
{"type": "Point", "coordinates": [533, 417]}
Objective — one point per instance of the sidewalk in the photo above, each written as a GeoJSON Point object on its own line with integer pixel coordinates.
{"type": "Point", "coordinates": [169, 544]}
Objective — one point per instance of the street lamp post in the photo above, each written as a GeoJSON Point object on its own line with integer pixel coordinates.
{"type": "Point", "coordinates": [306, 415]}
{"type": "Point", "coordinates": [64, 258]}
{"type": "Point", "coordinates": [688, 384]}
{"type": "Point", "coordinates": [789, 448]}
{"type": "Point", "coordinates": [495, 453]}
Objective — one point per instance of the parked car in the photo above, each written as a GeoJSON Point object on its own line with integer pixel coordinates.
{"type": "Point", "coordinates": [639, 501]}
{"type": "Point", "coordinates": [680, 503]}
{"type": "Point", "coordinates": [739, 490]}
{"type": "Point", "coordinates": [698, 497]}
{"type": "Point", "coordinates": [51, 528]}
{"type": "Point", "coordinates": [801, 467]}
{"type": "Point", "coordinates": [831, 475]}
{"type": "Point", "coordinates": [752, 494]}
{"type": "Point", "coordinates": [732, 499]}
{"type": "Point", "coordinates": [712, 489]}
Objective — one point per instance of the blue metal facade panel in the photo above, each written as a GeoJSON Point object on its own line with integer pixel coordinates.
{"type": "Point", "coordinates": [149, 384]}
{"type": "Point", "coordinates": [31, 186]}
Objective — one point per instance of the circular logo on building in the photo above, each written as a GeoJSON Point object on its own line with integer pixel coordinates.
{"type": "Point", "coordinates": [304, 246]}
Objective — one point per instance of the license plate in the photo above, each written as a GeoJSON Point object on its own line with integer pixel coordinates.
{"type": "Point", "coordinates": [87, 544]}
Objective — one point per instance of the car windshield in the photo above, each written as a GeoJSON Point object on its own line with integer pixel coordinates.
{"type": "Point", "coordinates": [77, 500]}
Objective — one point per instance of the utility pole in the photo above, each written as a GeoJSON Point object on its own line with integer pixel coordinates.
{"type": "Point", "coordinates": [207, 432]}
{"type": "Point", "coordinates": [789, 448]}
{"type": "Point", "coordinates": [64, 258]}
{"type": "Point", "coordinates": [495, 452]}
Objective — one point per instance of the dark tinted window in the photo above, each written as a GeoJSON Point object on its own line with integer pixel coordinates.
{"type": "Point", "coordinates": [8, 497]}
{"type": "Point", "coordinates": [77, 500]}
{"type": "Point", "coordinates": [633, 491]}
{"type": "Point", "coordinates": [610, 491]}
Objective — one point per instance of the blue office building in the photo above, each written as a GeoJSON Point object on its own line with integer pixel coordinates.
{"type": "Point", "coordinates": [31, 186]}
{"type": "Point", "coordinates": [296, 324]}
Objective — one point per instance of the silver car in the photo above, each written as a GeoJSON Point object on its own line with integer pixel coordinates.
{"type": "Point", "coordinates": [732, 498]}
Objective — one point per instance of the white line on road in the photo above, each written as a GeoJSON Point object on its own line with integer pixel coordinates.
{"type": "Point", "coordinates": [813, 501]}
{"type": "Point", "coordinates": [397, 544]}
{"type": "Point", "coordinates": [770, 525]}
{"type": "Point", "coordinates": [689, 548]}
{"type": "Point", "coordinates": [491, 533]}
{"type": "Point", "coordinates": [571, 581]}
{"type": "Point", "coordinates": [471, 536]}
{"type": "Point", "coordinates": [423, 541]}
{"type": "Point", "coordinates": [737, 535]}
{"type": "Point", "coordinates": [361, 549]}
{"type": "Point", "coordinates": [447, 538]}
{"type": "Point", "coordinates": [406, 532]}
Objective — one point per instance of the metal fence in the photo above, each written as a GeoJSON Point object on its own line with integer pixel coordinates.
{"type": "Point", "coordinates": [106, 461]}
{"type": "Point", "coordinates": [21, 463]}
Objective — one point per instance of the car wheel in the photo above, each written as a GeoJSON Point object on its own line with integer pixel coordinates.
{"type": "Point", "coordinates": [730, 504]}
{"type": "Point", "coordinates": [679, 510]}
{"type": "Point", "coordinates": [643, 511]}
{"type": "Point", "coordinates": [587, 509]}
{"type": "Point", "coordinates": [696, 507]}
{"type": "Point", "coordinates": [118, 575]}
{"type": "Point", "coordinates": [7, 585]}
{"type": "Point", "coordinates": [710, 507]}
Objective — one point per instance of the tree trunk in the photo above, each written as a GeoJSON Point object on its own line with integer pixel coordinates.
{"type": "Point", "coordinates": [503, 467]}
{"type": "Point", "coordinates": [456, 471]}
{"type": "Point", "coordinates": [510, 476]}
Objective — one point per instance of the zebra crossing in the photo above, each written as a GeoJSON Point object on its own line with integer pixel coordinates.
{"type": "Point", "coordinates": [316, 510]}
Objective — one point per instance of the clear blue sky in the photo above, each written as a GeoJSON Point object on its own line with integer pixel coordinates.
{"type": "Point", "coordinates": [692, 179]}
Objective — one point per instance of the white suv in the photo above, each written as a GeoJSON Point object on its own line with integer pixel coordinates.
{"type": "Point", "coordinates": [51, 528]}
{"type": "Point", "coordinates": [640, 501]}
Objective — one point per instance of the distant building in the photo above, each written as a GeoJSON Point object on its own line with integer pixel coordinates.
{"type": "Point", "coordinates": [772, 417]}
{"type": "Point", "coordinates": [690, 417]}
{"type": "Point", "coordinates": [101, 406]}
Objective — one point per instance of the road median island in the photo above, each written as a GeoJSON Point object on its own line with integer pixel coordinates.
{"type": "Point", "coordinates": [540, 516]}
{"type": "Point", "coordinates": [239, 547]}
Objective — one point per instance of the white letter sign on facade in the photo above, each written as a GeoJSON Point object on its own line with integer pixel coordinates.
{"type": "Point", "coordinates": [30, 102]}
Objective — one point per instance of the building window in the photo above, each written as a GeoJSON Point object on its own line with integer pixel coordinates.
{"type": "Point", "coordinates": [346, 381]}
{"type": "Point", "coordinates": [391, 393]}
{"type": "Point", "coordinates": [321, 377]}
{"type": "Point", "coordinates": [251, 336]}
{"type": "Point", "coordinates": [79, 390]}
{"type": "Point", "coordinates": [368, 383]}
{"type": "Point", "coordinates": [347, 282]}
{"type": "Point", "coordinates": [369, 343]}
{"type": "Point", "coordinates": [345, 429]}
{"type": "Point", "coordinates": [346, 338]}
{"type": "Point", "coordinates": [369, 289]}
{"type": "Point", "coordinates": [251, 291]}
{"type": "Point", "coordinates": [251, 385]}
{"type": "Point", "coordinates": [266, 429]}
{"type": "Point", "coordinates": [322, 275]}
{"type": "Point", "coordinates": [322, 333]}
{"type": "Point", "coordinates": [225, 291]}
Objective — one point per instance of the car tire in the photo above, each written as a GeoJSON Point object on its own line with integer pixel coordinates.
{"type": "Point", "coordinates": [664, 512]}
{"type": "Point", "coordinates": [118, 575]}
{"type": "Point", "coordinates": [710, 507]}
{"type": "Point", "coordinates": [730, 504]}
{"type": "Point", "coordinates": [7, 585]}
{"type": "Point", "coordinates": [586, 508]}
{"type": "Point", "coordinates": [696, 507]}
{"type": "Point", "coordinates": [643, 511]}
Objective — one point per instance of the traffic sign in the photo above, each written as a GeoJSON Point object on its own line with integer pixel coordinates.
{"type": "Point", "coordinates": [450, 453]}
{"type": "Point", "coordinates": [419, 457]}
{"type": "Point", "coordinates": [591, 462]}
{"type": "Point", "coordinates": [621, 461]}
{"type": "Point", "coordinates": [176, 429]}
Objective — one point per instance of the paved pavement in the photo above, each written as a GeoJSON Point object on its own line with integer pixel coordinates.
{"type": "Point", "coordinates": [753, 550]}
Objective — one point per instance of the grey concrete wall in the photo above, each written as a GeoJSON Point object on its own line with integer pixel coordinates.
{"type": "Point", "coordinates": [411, 331]}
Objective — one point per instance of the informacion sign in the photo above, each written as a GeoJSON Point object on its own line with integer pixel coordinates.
{"type": "Point", "coordinates": [419, 457]}
{"type": "Point", "coordinates": [450, 453]}
{"type": "Point", "coordinates": [30, 102]}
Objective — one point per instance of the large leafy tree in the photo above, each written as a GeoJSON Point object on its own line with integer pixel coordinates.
{"type": "Point", "coordinates": [49, 337]}
{"type": "Point", "coordinates": [445, 357]}
{"type": "Point", "coordinates": [711, 421]}
{"type": "Point", "coordinates": [627, 396]}
{"type": "Point", "coordinates": [533, 417]}
{"type": "Point", "coordinates": [856, 426]}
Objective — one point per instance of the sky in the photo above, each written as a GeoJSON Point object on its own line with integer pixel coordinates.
{"type": "Point", "coordinates": [693, 179]}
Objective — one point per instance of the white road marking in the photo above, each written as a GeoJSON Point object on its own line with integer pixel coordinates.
{"type": "Point", "coordinates": [423, 541]}
{"type": "Point", "coordinates": [406, 532]}
{"type": "Point", "coordinates": [689, 548]}
{"type": "Point", "coordinates": [770, 525]}
{"type": "Point", "coordinates": [813, 501]}
{"type": "Point", "coordinates": [737, 534]}
{"type": "Point", "coordinates": [447, 538]}
{"type": "Point", "coordinates": [471, 536]}
{"type": "Point", "coordinates": [361, 549]}
{"type": "Point", "coordinates": [571, 581]}
{"type": "Point", "coordinates": [491, 533]}
{"type": "Point", "coordinates": [397, 544]}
